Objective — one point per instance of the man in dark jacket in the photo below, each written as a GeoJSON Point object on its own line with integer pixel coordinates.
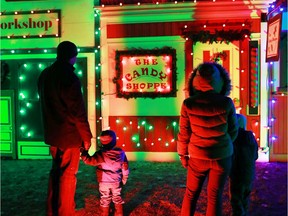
{"type": "Point", "coordinates": [66, 127]}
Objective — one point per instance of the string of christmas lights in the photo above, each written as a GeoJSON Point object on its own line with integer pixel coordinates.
{"type": "Point", "coordinates": [104, 3]}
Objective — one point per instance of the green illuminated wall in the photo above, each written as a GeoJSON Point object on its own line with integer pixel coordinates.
{"type": "Point", "coordinates": [27, 57]}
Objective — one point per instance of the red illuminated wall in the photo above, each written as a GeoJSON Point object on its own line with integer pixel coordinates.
{"type": "Point", "coordinates": [145, 133]}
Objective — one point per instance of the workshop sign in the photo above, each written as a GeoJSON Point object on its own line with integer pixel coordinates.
{"type": "Point", "coordinates": [30, 24]}
{"type": "Point", "coordinates": [146, 73]}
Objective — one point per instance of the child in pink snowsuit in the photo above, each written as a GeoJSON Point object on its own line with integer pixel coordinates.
{"type": "Point", "coordinates": [112, 172]}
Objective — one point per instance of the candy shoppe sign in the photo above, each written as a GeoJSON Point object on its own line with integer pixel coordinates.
{"type": "Point", "coordinates": [30, 24]}
{"type": "Point", "coordinates": [146, 73]}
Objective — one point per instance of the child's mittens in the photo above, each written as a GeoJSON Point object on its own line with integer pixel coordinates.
{"type": "Point", "coordinates": [124, 180]}
{"type": "Point", "coordinates": [84, 155]}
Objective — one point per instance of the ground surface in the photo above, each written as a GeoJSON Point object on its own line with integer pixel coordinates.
{"type": "Point", "coordinates": [153, 189]}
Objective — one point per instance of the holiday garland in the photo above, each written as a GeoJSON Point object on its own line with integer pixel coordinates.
{"type": "Point", "coordinates": [219, 36]}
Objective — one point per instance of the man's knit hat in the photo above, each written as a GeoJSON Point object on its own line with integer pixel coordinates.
{"type": "Point", "coordinates": [66, 50]}
{"type": "Point", "coordinates": [108, 139]}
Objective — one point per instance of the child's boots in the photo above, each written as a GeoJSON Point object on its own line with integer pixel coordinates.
{"type": "Point", "coordinates": [118, 210]}
{"type": "Point", "coordinates": [104, 211]}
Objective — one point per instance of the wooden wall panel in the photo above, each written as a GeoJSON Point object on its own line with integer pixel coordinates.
{"type": "Point", "coordinates": [279, 146]}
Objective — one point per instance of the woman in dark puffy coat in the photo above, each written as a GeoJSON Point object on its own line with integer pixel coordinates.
{"type": "Point", "coordinates": [207, 128]}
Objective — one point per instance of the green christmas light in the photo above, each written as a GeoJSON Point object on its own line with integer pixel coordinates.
{"type": "Point", "coordinates": [22, 111]}
{"type": "Point", "coordinates": [80, 73]}
{"type": "Point", "coordinates": [135, 138]}
{"type": "Point", "coordinates": [22, 78]}
{"type": "Point", "coordinates": [30, 134]}
{"type": "Point", "coordinates": [21, 95]}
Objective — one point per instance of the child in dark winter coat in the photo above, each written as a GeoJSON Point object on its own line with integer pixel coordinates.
{"type": "Point", "coordinates": [112, 172]}
{"type": "Point", "coordinates": [243, 168]}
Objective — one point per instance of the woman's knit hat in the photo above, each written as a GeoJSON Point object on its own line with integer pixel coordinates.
{"type": "Point", "coordinates": [66, 50]}
{"type": "Point", "coordinates": [208, 78]}
{"type": "Point", "coordinates": [108, 139]}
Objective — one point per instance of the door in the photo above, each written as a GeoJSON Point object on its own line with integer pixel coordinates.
{"type": "Point", "coordinates": [7, 124]}
{"type": "Point", "coordinates": [225, 54]}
